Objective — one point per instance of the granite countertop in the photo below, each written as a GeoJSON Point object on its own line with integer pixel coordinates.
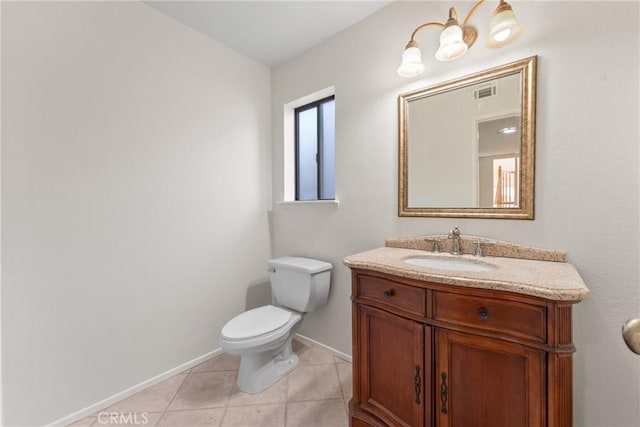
{"type": "Point", "coordinates": [550, 279]}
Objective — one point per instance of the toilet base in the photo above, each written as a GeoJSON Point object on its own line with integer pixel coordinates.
{"type": "Point", "coordinates": [261, 370]}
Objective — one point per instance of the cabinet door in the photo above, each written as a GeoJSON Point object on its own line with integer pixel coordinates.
{"type": "Point", "coordinates": [487, 382]}
{"type": "Point", "coordinates": [391, 364]}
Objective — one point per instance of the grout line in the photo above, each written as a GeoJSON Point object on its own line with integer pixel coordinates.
{"type": "Point", "coordinates": [224, 414]}
{"type": "Point", "coordinates": [286, 396]}
{"type": "Point", "coordinates": [187, 376]}
{"type": "Point", "coordinates": [312, 400]}
{"type": "Point", "coordinates": [335, 366]}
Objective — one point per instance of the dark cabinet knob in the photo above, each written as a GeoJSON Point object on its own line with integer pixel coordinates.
{"type": "Point", "coordinates": [388, 293]}
{"type": "Point", "coordinates": [483, 313]}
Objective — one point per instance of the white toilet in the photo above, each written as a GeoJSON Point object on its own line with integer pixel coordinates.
{"type": "Point", "coordinates": [262, 336]}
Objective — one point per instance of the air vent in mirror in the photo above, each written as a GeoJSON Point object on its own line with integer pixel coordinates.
{"type": "Point", "coordinates": [485, 92]}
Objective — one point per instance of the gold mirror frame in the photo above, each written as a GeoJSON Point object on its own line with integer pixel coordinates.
{"type": "Point", "coordinates": [527, 70]}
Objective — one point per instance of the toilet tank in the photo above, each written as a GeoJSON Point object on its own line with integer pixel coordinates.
{"type": "Point", "coordinates": [301, 284]}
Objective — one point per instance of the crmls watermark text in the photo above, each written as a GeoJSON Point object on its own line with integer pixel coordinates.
{"type": "Point", "coordinates": [115, 418]}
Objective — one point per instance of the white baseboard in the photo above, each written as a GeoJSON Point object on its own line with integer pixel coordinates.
{"type": "Point", "coordinates": [105, 403]}
{"type": "Point", "coordinates": [331, 350]}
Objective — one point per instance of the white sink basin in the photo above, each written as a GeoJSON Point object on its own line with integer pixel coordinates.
{"type": "Point", "coordinates": [449, 264]}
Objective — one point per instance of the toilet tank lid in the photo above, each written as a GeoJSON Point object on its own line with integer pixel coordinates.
{"type": "Point", "coordinates": [311, 266]}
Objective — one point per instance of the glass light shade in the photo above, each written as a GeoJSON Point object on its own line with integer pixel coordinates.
{"type": "Point", "coordinates": [451, 44]}
{"type": "Point", "coordinates": [412, 65]}
{"type": "Point", "coordinates": [503, 29]}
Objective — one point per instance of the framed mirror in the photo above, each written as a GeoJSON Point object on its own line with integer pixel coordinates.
{"type": "Point", "coordinates": [467, 146]}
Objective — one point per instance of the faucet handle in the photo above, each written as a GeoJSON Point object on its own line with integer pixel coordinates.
{"type": "Point", "coordinates": [479, 244]}
{"type": "Point", "coordinates": [436, 243]}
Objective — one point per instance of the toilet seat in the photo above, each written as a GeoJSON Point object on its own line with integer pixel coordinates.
{"type": "Point", "coordinates": [256, 323]}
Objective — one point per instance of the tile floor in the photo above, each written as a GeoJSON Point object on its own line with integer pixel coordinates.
{"type": "Point", "coordinates": [316, 393]}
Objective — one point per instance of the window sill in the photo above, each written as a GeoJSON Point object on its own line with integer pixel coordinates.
{"type": "Point", "coordinates": [288, 203]}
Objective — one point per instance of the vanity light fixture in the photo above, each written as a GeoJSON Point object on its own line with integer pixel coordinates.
{"type": "Point", "coordinates": [456, 39]}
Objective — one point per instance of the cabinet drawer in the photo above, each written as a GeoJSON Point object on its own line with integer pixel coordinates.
{"type": "Point", "coordinates": [506, 317]}
{"type": "Point", "coordinates": [392, 294]}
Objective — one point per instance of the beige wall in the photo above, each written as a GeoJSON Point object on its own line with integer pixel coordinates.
{"type": "Point", "coordinates": [135, 186]}
{"type": "Point", "coordinates": [587, 182]}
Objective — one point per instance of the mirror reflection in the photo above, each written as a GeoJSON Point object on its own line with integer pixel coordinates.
{"type": "Point", "coordinates": [499, 162]}
{"type": "Point", "coordinates": [466, 146]}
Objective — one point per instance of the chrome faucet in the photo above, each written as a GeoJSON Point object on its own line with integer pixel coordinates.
{"type": "Point", "coordinates": [454, 234]}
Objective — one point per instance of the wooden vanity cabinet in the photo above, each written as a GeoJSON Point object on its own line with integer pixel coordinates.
{"type": "Point", "coordinates": [486, 382]}
{"type": "Point", "coordinates": [427, 354]}
{"type": "Point", "coordinates": [393, 382]}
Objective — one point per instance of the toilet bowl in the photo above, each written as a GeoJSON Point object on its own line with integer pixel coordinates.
{"type": "Point", "coordinates": [262, 336]}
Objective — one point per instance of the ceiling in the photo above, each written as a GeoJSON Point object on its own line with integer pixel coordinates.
{"type": "Point", "coordinates": [271, 32]}
{"type": "Point", "coordinates": [492, 142]}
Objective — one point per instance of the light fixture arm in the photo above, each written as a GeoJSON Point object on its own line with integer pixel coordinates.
{"type": "Point", "coordinates": [412, 41]}
{"type": "Point", "coordinates": [469, 34]}
{"type": "Point", "coordinates": [472, 11]}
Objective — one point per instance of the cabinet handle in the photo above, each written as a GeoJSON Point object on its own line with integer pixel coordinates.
{"type": "Point", "coordinates": [388, 293]}
{"type": "Point", "coordinates": [416, 380]}
{"type": "Point", "coordinates": [483, 313]}
{"type": "Point", "coordinates": [443, 393]}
